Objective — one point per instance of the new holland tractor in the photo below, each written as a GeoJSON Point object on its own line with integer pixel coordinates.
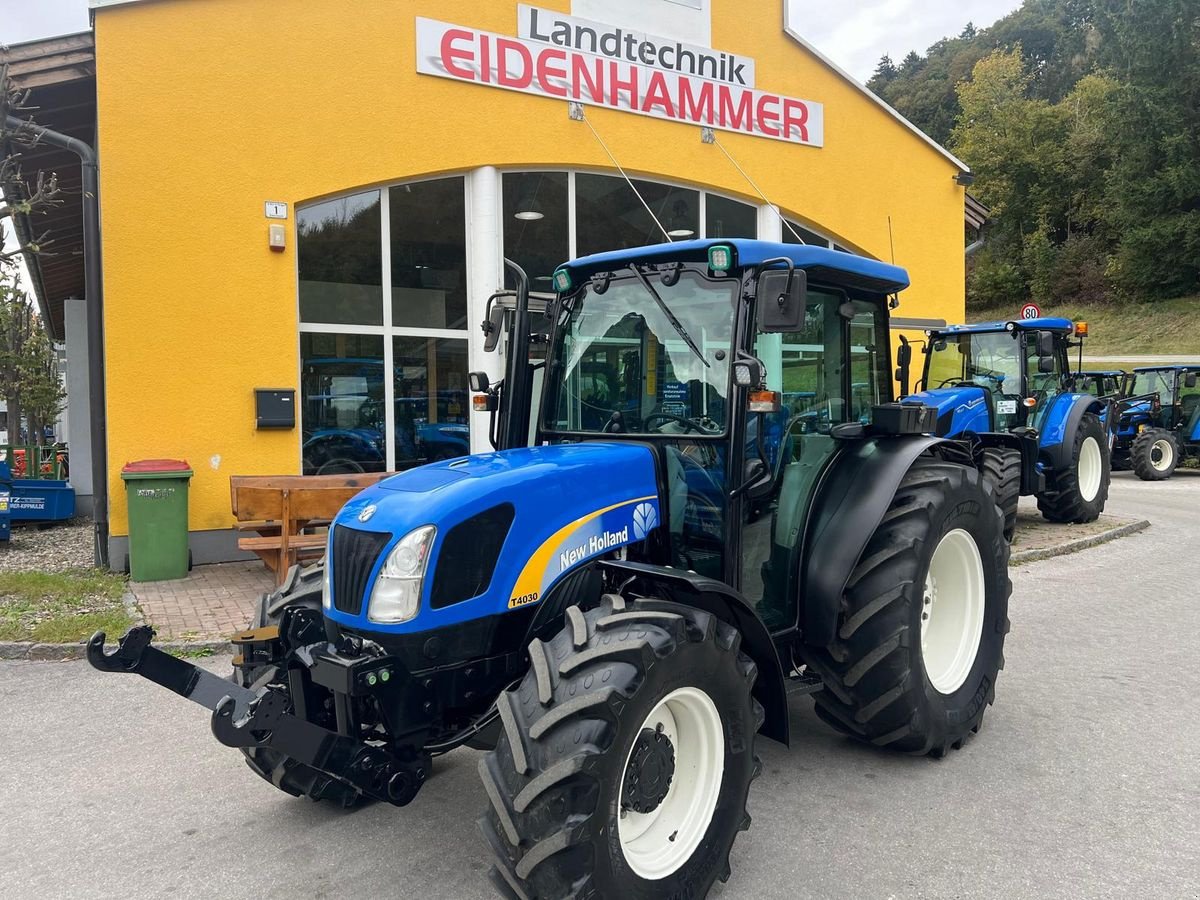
{"type": "Point", "coordinates": [1007, 388]}
{"type": "Point", "coordinates": [594, 603]}
{"type": "Point", "coordinates": [1159, 424]}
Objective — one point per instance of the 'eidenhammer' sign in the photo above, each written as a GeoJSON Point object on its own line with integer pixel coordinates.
{"type": "Point", "coordinates": [602, 65]}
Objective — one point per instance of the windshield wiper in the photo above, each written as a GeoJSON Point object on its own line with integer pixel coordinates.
{"type": "Point", "coordinates": [679, 329]}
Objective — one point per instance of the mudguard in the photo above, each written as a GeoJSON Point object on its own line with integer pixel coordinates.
{"type": "Point", "coordinates": [857, 491]}
{"type": "Point", "coordinates": [1057, 440]}
{"type": "Point", "coordinates": [961, 409]}
{"type": "Point", "coordinates": [726, 604]}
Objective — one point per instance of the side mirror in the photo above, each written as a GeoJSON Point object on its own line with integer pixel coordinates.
{"type": "Point", "coordinates": [758, 479]}
{"type": "Point", "coordinates": [478, 382]}
{"type": "Point", "coordinates": [1046, 364]}
{"type": "Point", "coordinates": [780, 306]}
{"type": "Point", "coordinates": [493, 328]}
{"type": "Point", "coordinates": [1045, 343]}
{"type": "Point", "coordinates": [1189, 380]}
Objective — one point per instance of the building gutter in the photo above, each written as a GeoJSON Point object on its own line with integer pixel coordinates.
{"type": "Point", "coordinates": [95, 326]}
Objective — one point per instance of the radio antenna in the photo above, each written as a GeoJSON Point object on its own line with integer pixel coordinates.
{"type": "Point", "coordinates": [583, 118]}
{"type": "Point", "coordinates": [709, 136]}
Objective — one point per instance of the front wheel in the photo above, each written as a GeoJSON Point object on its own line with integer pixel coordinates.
{"type": "Point", "coordinates": [920, 637]}
{"type": "Point", "coordinates": [1154, 454]}
{"type": "Point", "coordinates": [1079, 491]}
{"type": "Point", "coordinates": [626, 757]}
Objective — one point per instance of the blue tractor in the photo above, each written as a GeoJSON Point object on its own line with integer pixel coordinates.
{"type": "Point", "coordinates": [1007, 387]}
{"type": "Point", "coordinates": [1100, 383]}
{"type": "Point", "coordinates": [1159, 424]}
{"type": "Point", "coordinates": [614, 629]}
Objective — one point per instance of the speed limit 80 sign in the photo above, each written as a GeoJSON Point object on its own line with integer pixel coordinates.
{"type": "Point", "coordinates": [1031, 311]}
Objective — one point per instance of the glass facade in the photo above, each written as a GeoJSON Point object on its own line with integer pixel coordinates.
{"type": "Point", "coordinates": [383, 287]}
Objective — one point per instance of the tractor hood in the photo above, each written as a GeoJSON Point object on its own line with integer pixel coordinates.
{"type": "Point", "coordinates": [509, 525]}
{"type": "Point", "coordinates": [960, 409]}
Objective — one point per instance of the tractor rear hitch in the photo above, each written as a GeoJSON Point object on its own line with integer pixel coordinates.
{"type": "Point", "coordinates": [246, 718]}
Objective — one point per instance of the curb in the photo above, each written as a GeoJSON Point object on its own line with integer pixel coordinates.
{"type": "Point", "coordinates": [1024, 556]}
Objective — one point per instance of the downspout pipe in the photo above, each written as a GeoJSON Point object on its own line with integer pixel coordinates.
{"type": "Point", "coordinates": [93, 294]}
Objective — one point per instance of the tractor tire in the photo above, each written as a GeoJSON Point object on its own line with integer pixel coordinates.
{"type": "Point", "coordinates": [585, 797]}
{"type": "Point", "coordinates": [1078, 493]}
{"type": "Point", "coordinates": [302, 588]}
{"type": "Point", "coordinates": [1002, 470]}
{"type": "Point", "coordinates": [1154, 454]}
{"type": "Point", "coordinates": [920, 637]}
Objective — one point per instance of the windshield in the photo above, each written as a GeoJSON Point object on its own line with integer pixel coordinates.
{"type": "Point", "coordinates": [990, 360]}
{"type": "Point", "coordinates": [622, 366]}
{"type": "Point", "coordinates": [1157, 382]}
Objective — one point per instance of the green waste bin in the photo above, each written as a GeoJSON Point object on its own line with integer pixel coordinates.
{"type": "Point", "coordinates": [157, 491]}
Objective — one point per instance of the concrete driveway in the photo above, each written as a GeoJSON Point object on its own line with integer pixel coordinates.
{"type": "Point", "coordinates": [1084, 782]}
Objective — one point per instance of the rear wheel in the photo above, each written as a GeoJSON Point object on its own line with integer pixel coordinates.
{"type": "Point", "coordinates": [1002, 470]}
{"type": "Point", "coordinates": [1079, 491]}
{"type": "Point", "coordinates": [302, 588]}
{"type": "Point", "coordinates": [626, 757]}
{"type": "Point", "coordinates": [1154, 454]}
{"type": "Point", "coordinates": [920, 636]}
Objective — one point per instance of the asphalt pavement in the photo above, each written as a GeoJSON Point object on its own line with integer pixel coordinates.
{"type": "Point", "coordinates": [1084, 782]}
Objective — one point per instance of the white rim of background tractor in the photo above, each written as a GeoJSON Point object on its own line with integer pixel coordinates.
{"type": "Point", "coordinates": [952, 612]}
{"type": "Point", "coordinates": [1162, 454]}
{"type": "Point", "coordinates": [1090, 469]}
{"type": "Point", "coordinates": [658, 843]}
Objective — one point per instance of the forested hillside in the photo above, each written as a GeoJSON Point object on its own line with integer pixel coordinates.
{"type": "Point", "coordinates": [1081, 122]}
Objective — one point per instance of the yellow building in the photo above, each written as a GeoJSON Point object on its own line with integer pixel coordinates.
{"type": "Point", "coordinates": [307, 194]}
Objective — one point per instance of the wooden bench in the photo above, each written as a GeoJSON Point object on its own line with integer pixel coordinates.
{"type": "Point", "coordinates": [283, 509]}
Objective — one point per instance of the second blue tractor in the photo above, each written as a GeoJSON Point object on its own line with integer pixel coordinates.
{"type": "Point", "coordinates": [1007, 388]}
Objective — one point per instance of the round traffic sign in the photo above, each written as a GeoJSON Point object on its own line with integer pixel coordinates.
{"type": "Point", "coordinates": [1031, 311]}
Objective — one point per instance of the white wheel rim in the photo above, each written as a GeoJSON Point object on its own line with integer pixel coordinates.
{"type": "Point", "coordinates": [1090, 469]}
{"type": "Point", "coordinates": [657, 843]}
{"type": "Point", "coordinates": [1161, 455]}
{"type": "Point", "coordinates": [952, 611]}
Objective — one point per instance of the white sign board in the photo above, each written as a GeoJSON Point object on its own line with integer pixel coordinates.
{"type": "Point", "coordinates": [567, 73]}
{"type": "Point", "coordinates": [1031, 311]}
{"type": "Point", "coordinates": [276, 210]}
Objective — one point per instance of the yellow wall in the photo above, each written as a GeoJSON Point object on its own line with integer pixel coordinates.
{"type": "Point", "coordinates": [207, 108]}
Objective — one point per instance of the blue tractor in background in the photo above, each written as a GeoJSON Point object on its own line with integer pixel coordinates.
{"type": "Point", "coordinates": [1007, 388]}
{"type": "Point", "coordinates": [1159, 424]}
{"type": "Point", "coordinates": [1100, 383]}
{"type": "Point", "coordinates": [614, 629]}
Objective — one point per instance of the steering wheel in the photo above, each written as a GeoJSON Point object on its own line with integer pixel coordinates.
{"type": "Point", "coordinates": [688, 424]}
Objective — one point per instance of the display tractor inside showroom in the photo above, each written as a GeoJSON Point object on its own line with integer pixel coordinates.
{"type": "Point", "coordinates": [1007, 388]}
{"type": "Point", "coordinates": [1159, 422]}
{"type": "Point", "coordinates": [711, 502]}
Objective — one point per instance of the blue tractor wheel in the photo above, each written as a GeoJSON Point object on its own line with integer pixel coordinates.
{"type": "Point", "coordinates": [1154, 454]}
{"type": "Point", "coordinates": [1078, 491]}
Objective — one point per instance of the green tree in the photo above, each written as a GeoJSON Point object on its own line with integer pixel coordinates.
{"type": "Point", "coordinates": [29, 376]}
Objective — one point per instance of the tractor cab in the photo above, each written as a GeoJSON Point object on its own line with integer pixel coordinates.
{"type": "Point", "coordinates": [1018, 367]}
{"type": "Point", "coordinates": [1107, 383]}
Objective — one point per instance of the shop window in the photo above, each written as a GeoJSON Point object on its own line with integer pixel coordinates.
{"type": "Point", "coordinates": [432, 399]}
{"type": "Point", "coordinates": [341, 261]}
{"type": "Point", "coordinates": [806, 236]}
{"type": "Point", "coordinates": [724, 218]}
{"type": "Point", "coordinates": [609, 215]}
{"type": "Point", "coordinates": [429, 254]}
{"type": "Point", "coordinates": [536, 223]}
{"type": "Point", "coordinates": [342, 403]}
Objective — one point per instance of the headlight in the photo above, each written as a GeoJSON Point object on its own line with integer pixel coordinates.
{"type": "Point", "coordinates": [396, 594]}
{"type": "Point", "coordinates": [326, 577]}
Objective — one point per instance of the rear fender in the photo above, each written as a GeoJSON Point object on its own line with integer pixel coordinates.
{"type": "Point", "coordinates": [718, 598]}
{"type": "Point", "coordinates": [857, 491]}
{"type": "Point", "coordinates": [1057, 441]}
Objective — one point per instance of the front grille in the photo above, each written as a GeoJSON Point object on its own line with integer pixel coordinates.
{"type": "Point", "coordinates": [468, 556]}
{"type": "Point", "coordinates": [354, 555]}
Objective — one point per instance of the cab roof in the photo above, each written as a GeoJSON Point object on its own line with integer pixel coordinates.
{"type": "Point", "coordinates": [1112, 372]}
{"type": "Point", "coordinates": [1178, 367]}
{"type": "Point", "coordinates": [821, 263]}
{"type": "Point", "coordinates": [1045, 323]}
